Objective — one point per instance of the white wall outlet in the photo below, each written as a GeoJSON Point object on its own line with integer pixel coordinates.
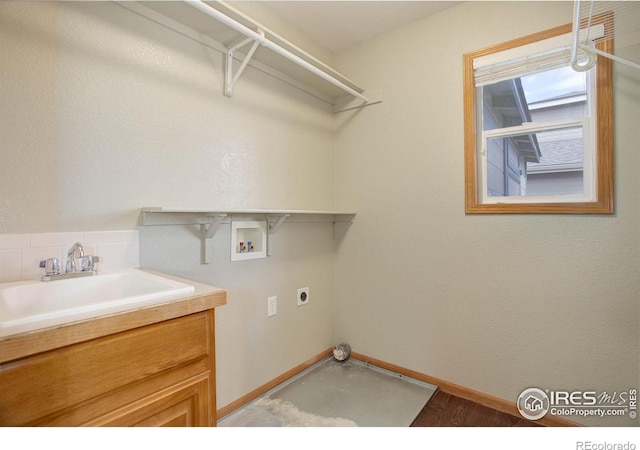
{"type": "Point", "coordinates": [272, 306]}
{"type": "Point", "coordinates": [303, 296]}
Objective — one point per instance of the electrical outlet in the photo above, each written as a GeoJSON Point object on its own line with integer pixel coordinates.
{"type": "Point", "coordinates": [303, 296]}
{"type": "Point", "coordinates": [272, 306]}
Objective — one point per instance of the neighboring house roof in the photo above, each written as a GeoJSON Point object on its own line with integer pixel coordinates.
{"type": "Point", "coordinates": [559, 156]}
{"type": "Point", "coordinates": [547, 154]}
{"type": "Point", "coordinates": [559, 100]}
{"type": "Point", "coordinates": [509, 103]}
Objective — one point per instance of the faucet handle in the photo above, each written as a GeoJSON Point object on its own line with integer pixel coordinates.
{"type": "Point", "coordinates": [51, 266]}
{"type": "Point", "coordinates": [88, 262]}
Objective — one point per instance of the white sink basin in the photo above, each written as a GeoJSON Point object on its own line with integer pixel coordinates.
{"type": "Point", "coordinates": [32, 305]}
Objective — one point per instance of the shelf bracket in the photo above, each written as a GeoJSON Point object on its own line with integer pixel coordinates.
{"type": "Point", "coordinates": [207, 230]}
{"type": "Point", "coordinates": [230, 78]}
{"type": "Point", "coordinates": [340, 225]}
{"type": "Point", "coordinates": [272, 227]}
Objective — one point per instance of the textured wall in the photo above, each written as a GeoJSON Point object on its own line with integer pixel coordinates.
{"type": "Point", "coordinates": [104, 112]}
{"type": "Point", "coordinates": [496, 303]}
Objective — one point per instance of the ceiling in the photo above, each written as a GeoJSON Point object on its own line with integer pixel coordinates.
{"type": "Point", "coordinates": [340, 24]}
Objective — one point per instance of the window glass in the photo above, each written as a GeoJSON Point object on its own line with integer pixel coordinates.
{"type": "Point", "coordinates": [537, 132]}
{"type": "Point", "coordinates": [542, 163]}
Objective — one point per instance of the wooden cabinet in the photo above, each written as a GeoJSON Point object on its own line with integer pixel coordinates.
{"type": "Point", "coordinates": [181, 405]}
{"type": "Point", "coordinates": [158, 374]}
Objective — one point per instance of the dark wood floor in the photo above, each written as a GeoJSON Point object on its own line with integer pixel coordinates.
{"type": "Point", "coordinates": [445, 410]}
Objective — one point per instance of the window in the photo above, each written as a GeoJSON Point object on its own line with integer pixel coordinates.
{"type": "Point", "coordinates": [538, 134]}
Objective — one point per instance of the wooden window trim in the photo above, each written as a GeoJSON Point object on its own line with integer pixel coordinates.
{"type": "Point", "coordinates": [604, 203]}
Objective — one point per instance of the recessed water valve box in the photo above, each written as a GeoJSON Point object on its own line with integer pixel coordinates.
{"type": "Point", "coordinates": [248, 240]}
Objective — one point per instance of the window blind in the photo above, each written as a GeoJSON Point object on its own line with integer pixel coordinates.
{"type": "Point", "coordinates": [525, 65]}
{"type": "Point", "coordinates": [540, 56]}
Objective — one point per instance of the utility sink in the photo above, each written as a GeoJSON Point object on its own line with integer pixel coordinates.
{"type": "Point", "coordinates": [33, 305]}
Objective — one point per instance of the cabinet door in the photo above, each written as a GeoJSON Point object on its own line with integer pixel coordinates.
{"type": "Point", "coordinates": [185, 404]}
{"type": "Point", "coordinates": [154, 367]}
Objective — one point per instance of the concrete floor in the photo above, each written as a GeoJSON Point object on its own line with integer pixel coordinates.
{"type": "Point", "coordinates": [332, 393]}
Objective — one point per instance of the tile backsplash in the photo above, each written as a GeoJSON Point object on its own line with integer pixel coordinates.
{"type": "Point", "coordinates": [20, 254]}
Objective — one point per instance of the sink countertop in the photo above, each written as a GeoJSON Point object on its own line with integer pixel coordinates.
{"type": "Point", "coordinates": [29, 343]}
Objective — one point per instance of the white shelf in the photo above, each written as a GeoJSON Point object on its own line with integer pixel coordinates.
{"type": "Point", "coordinates": [210, 219]}
{"type": "Point", "coordinates": [185, 19]}
{"type": "Point", "coordinates": [162, 215]}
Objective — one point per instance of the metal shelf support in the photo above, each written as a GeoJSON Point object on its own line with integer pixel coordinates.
{"type": "Point", "coordinates": [273, 226]}
{"type": "Point", "coordinates": [229, 78]}
{"type": "Point", "coordinates": [207, 230]}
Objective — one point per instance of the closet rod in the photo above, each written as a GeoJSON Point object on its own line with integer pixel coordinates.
{"type": "Point", "coordinates": [210, 11]}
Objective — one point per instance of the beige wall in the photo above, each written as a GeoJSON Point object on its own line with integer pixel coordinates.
{"type": "Point", "coordinates": [495, 303]}
{"type": "Point", "coordinates": [104, 112]}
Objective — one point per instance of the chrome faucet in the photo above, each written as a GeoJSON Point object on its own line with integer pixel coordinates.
{"type": "Point", "coordinates": [76, 251]}
{"type": "Point", "coordinates": [87, 268]}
